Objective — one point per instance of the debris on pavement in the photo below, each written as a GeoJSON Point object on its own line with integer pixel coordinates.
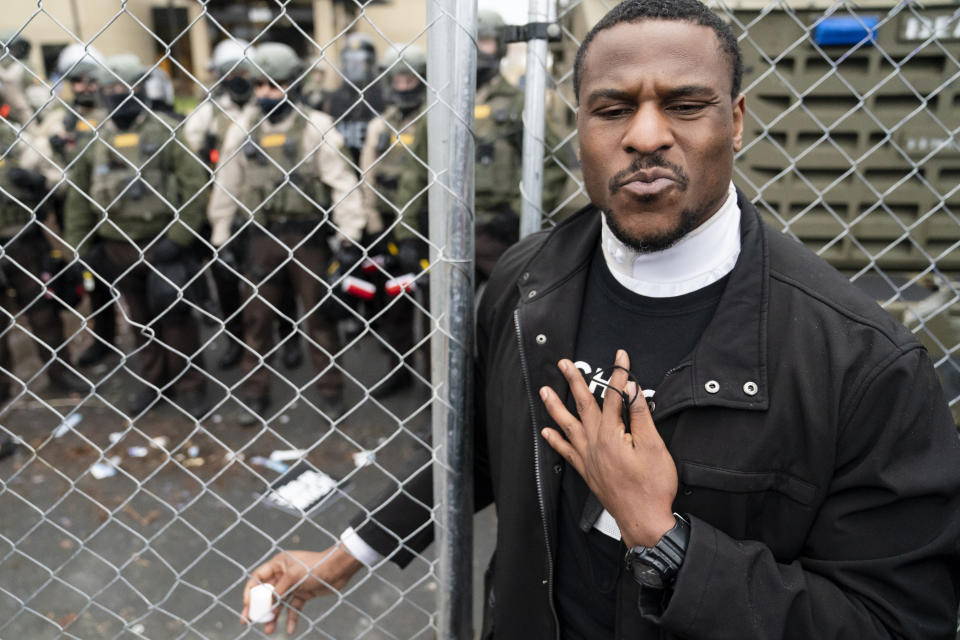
{"type": "Point", "coordinates": [286, 455]}
{"type": "Point", "coordinates": [67, 425]}
{"type": "Point", "coordinates": [273, 465]}
{"type": "Point", "coordinates": [106, 469]}
{"type": "Point", "coordinates": [300, 490]}
{"type": "Point", "coordinates": [364, 458]}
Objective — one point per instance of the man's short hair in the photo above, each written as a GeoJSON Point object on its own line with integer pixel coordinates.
{"type": "Point", "coordinates": [692, 11]}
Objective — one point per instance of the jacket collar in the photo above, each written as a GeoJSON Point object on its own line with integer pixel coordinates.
{"type": "Point", "coordinates": [728, 367]}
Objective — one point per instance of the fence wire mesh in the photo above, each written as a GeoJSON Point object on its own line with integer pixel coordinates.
{"type": "Point", "coordinates": [137, 263]}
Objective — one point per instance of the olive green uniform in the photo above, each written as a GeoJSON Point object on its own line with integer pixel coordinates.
{"type": "Point", "coordinates": [291, 179]}
{"type": "Point", "coordinates": [70, 131]}
{"type": "Point", "coordinates": [132, 187]}
{"type": "Point", "coordinates": [498, 123]}
{"type": "Point", "coordinates": [386, 156]}
{"type": "Point", "coordinates": [24, 248]}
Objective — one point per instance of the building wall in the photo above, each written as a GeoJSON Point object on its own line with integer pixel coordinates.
{"type": "Point", "coordinates": [63, 22]}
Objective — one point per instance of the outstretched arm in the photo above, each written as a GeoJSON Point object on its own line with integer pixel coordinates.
{"type": "Point", "coordinates": [298, 576]}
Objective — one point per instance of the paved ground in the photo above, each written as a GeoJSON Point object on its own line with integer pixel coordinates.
{"type": "Point", "coordinates": [161, 548]}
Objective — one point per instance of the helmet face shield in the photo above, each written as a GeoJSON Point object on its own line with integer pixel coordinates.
{"type": "Point", "coordinates": [356, 66]}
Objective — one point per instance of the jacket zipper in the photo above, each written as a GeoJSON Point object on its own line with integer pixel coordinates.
{"type": "Point", "coordinates": [525, 372]}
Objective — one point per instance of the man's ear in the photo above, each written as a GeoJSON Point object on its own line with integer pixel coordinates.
{"type": "Point", "coordinates": [739, 110]}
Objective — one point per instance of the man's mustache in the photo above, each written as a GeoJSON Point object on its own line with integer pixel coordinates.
{"type": "Point", "coordinates": [640, 163]}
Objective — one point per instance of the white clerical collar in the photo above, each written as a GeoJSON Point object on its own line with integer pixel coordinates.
{"type": "Point", "coordinates": [702, 257]}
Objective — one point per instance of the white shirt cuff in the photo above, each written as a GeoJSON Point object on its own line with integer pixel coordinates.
{"type": "Point", "coordinates": [358, 548]}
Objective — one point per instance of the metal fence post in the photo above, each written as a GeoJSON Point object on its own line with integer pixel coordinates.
{"type": "Point", "coordinates": [451, 74]}
{"type": "Point", "coordinates": [533, 121]}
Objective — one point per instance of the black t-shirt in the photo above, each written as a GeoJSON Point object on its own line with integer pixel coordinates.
{"type": "Point", "coordinates": [657, 334]}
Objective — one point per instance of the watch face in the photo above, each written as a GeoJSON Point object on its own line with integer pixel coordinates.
{"type": "Point", "coordinates": [647, 576]}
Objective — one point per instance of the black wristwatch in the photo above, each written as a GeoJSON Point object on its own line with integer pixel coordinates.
{"type": "Point", "coordinates": [656, 567]}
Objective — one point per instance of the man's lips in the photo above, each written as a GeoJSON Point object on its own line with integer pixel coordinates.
{"type": "Point", "coordinates": [647, 183]}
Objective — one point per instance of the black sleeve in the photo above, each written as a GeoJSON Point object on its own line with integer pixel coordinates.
{"type": "Point", "coordinates": [397, 523]}
{"type": "Point", "coordinates": [881, 559]}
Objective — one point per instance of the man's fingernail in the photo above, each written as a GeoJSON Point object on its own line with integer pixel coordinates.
{"type": "Point", "coordinates": [631, 388]}
{"type": "Point", "coordinates": [543, 393]}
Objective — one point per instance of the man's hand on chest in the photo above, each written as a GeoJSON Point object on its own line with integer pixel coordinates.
{"type": "Point", "coordinates": [630, 472]}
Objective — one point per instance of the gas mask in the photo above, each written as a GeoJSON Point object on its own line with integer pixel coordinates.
{"type": "Point", "coordinates": [276, 109]}
{"type": "Point", "coordinates": [488, 65]}
{"type": "Point", "coordinates": [239, 88]}
{"type": "Point", "coordinates": [123, 107]}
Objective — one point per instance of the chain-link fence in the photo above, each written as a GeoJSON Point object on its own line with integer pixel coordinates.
{"type": "Point", "coordinates": [220, 337]}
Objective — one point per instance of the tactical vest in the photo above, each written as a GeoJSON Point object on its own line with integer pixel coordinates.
{"type": "Point", "coordinates": [395, 155]}
{"type": "Point", "coordinates": [499, 165]}
{"type": "Point", "coordinates": [280, 184]}
{"type": "Point", "coordinates": [77, 133]}
{"type": "Point", "coordinates": [13, 215]}
{"type": "Point", "coordinates": [134, 180]}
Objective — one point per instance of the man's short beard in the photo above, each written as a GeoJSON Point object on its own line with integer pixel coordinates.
{"type": "Point", "coordinates": [689, 220]}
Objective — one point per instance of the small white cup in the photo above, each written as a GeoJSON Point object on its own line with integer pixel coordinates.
{"type": "Point", "coordinates": [261, 604]}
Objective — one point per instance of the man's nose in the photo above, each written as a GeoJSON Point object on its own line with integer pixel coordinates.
{"type": "Point", "coordinates": [648, 131]}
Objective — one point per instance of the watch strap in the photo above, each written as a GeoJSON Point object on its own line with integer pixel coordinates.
{"type": "Point", "coordinates": [666, 557]}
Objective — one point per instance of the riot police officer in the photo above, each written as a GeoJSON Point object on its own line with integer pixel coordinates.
{"type": "Point", "coordinates": [356, 101]}
{"type": "Point", "coordinates": [286, 166]}
{"type": "Point", "coordinates": [387, 155]}
{"type": "Point", "coordinates": [205, 129]}
{"type": "Point", "coordinates": [138, 196]}
{"type": "Point", "coordinates": [70, 129]}
{"type": "Point", "coordinates": [15, 76]}
{"type": "Point", "coordinates": [24, 178]}
{"type": "Point", "coordinates": [498, 122]}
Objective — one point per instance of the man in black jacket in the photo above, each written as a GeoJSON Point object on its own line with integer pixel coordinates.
{"type": "Point", "coordinates": [785, 466]}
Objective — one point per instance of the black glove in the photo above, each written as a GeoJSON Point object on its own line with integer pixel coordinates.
{"type": "Point", "coordinates": [32, 181]}
{"type": "Point", "coordinates": [166, 250]}
{"type": "Point", "coordinates": [409, 254]}
{"type": "Point", "coordinates": [347, 255]}
{"type": "Point", "coordinates": [58, 143]}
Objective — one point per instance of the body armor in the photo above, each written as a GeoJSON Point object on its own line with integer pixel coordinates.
{"type": "Point", "coordinates": [282, 181]}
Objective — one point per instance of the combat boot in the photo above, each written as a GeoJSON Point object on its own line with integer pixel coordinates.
{"type": "Point", "coordinates": [397, 381]}
{"type": "Point", "coordinates": [231, 355]}
{"type": "Point", "coordinates": [291, 353]}
{"type": "Point", "coordinates": [93, 354]}
{"type": "Point", "coordinates": [66, 383]}
{"type": "Point", "coordinates": [194, 402]}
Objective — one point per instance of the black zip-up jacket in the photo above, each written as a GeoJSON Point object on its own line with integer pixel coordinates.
{"type": "Point", "coordinates": [818, 462]}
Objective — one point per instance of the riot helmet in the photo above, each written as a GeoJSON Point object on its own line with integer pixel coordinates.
{"type": "Point", "coordinates": [489, 28]}
{"type": "Point", "coordinates": [16, 44]}
{"type": "Point", "coordinates": [229, 63]}
{"type": "Point", "coordinates": [276, 68]}
{"type": "Point", "coordinates": [80, 66]}
{"type": "Point", "coordinates": [407, 71]}
{"type": "Point", "coordinates": [122, 88]}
